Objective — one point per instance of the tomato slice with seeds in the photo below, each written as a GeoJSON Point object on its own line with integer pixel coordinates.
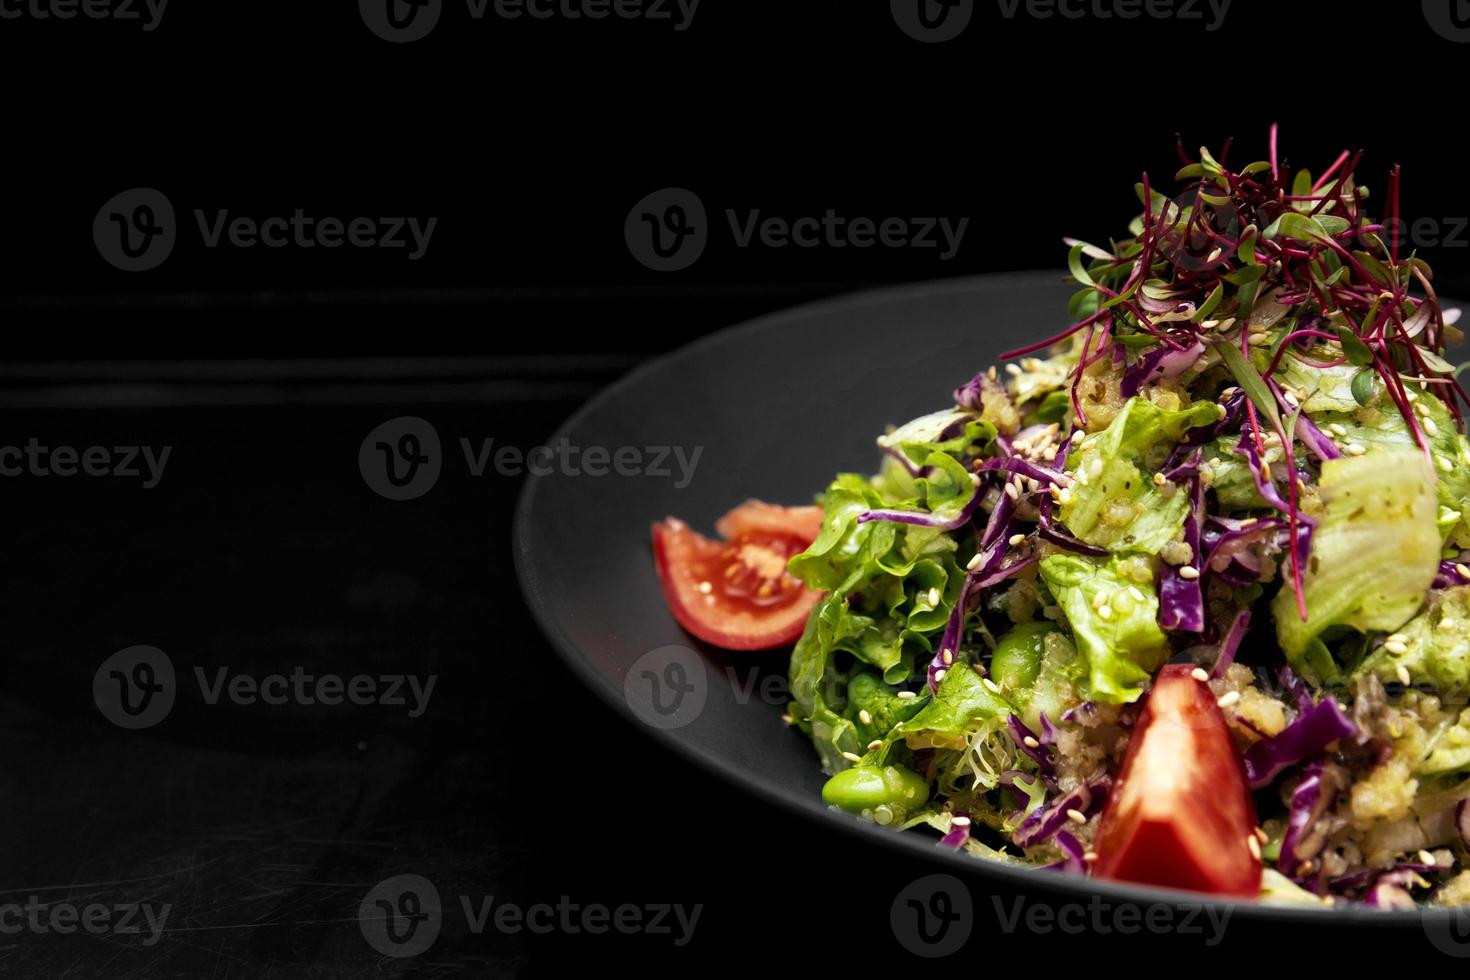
{"type": "Point", "coordinates": [736, 593]}
{"type": "Point", "coordinates": [1180, 814]}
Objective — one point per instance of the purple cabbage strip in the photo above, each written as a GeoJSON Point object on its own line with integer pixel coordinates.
{"type": "Point", "coordinates": [959, 832]}
{"type": "Point", "coordinates": [1048, 731]}
{"type": "Point", "coordinates": [1074, 860]}
{"type": "Point", "coordinates": [1159, 364]}
{"type": "Point", "coordinates": [1024, 468]}
{"type": "Point", "coordinates": [1044, 824]}
{"type": "Point", "coordinates": [1181, 600]}
{"type": "Point", "coordinates": [1231, 642]}
{"type": "Point", "coordinates": [1449, 576]}
{"type": "Point", "coordinates": [1048, 530]}
{"type": "Point", "coordinates": [992, 547]}
{"type": "Point", "coordinates": [1314, 729]}
{"type": "Point", "coordinates": [920, 519]}
{"type": "Point", "coordinates": [1300, 693]}
{"type": "Point", "coordinates": [1306, 431]}
{"type": "Point", "coordinates": [1039, 755]}
{"type": "Point", "coordinates": [1230, 547]}
{"type": "Point", "coordinates": [970, 395]}
{"type": "Point", "coordinates": [1309, 801]}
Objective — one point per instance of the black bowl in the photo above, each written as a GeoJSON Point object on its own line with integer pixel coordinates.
{"type": "Point", "coordinates": [776, 407]}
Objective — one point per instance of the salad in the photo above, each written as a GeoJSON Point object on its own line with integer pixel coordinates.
{"type": "Point", "coordinates": [1178, 596]}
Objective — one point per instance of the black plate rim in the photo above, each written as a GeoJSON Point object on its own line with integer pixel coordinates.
{"type": "Point", "coordinates": [937, 860]}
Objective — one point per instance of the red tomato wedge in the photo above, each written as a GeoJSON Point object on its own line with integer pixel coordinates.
{"type": "Point", "coordinates": [1180, 814]}
{"type": "Point", "coordinates": [735, 593]}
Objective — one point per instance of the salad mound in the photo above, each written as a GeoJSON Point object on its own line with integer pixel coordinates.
{"type": "Point", "coordinates": [1246, 458]}
{"type": "Point", "coordinates": [1182, 594]}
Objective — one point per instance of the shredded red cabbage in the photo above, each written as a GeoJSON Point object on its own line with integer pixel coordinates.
{"type": "Point", "coordinates": [1314, 729]}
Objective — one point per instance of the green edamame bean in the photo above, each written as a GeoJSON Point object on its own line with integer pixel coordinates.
{"type": "Point", "coordinates": [868, 787]}
{"type": "Point", "coordinates": [1017, 657]}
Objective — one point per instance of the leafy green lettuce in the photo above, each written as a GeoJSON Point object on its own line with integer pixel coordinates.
{"type": "Point", "coordinates": [1374, 553]}
{"type": "Point", "coordinates": [1115, 503]}
{"type": "Point", "coordinates": [1437, 646]}
{"type": "Point", "coordinates": [1113, 609]}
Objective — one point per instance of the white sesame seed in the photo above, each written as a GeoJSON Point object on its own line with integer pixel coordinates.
{"type": "Point", "coordinates": [1396, 638]}
{"type": "Point", "coordinates": [787, 719]}
{"type": "Point", "coordinates": [1065, 497]}
{"type": "Point", "coordinates": [991, 686]}
{"type": "Point", "coordinates": [939, 675]}
{"type": "Point", "coordinates": [947, 656]}
{"type": "Point", "coordinates": [1089, 856]}
{"type": "Point", "coordinates": [991, 373]}
{"type": "Point", "coordinates": [1291, 399]}
{"type": "Point", "coordinates": [1403, 676]}
{"type": "Point", "coordinates": [1012, 492]}
{"type": "Point", "coordinates": [865, 717]}
{"type": "Point", "coordinates": [974, 563]}
{"type": "Point", "coordinates": [1105, 613]}
{"type": "Point", "coordinates": [1258, 340]}
{"type": "Point", "coordinates": [1430, 427]}
{"type": "Point", "coordinates": [1013, 370]}
{"type": "Point", "coordinates": [905, 695]}
{"type": "Point", "coordinates": [1338, 429]}
{"type": "Point", "coordinates": [1228, 698]}
{"type": "Point", "coordinates": [1077, 816]}
{"type": "Point", "coordinates": [1396, 647]}
{"type": "Point", "coordinates": [1426, 858]}
{"type": "Point", "coordinates": [959, 821]}
{"type": "Point", "coordinates": [1411, 394]}
{"type": "Point", "coordinates": [1101, 599]}
{"type": "Point", "coordinates": [933, 597]}
{"type": "Point", "coordinates": [1257, 328]}
{"type": "Point", "coordinates": [1445, 465]}
{"type": "Point", "coordinates": [1447, 625]}
{"type": "Point", "coordinates": [1353, 449]}
{"type": "Point", "coordinates": [1030, 742]}
{"type": "Point", "coordinates": [875, 745]}
{"type": "Point", "coordinates": [1188, 572]}
{"type": "Point", "coordinates": [852, 757]}
{"type": "Point", "coordinates": [1082, 476]}
{"type": "Point", "coordinates": [1017, 540]}
{"type": "Point", "coordinates": [1199, 674]}
{"type": "Point", "coordinates": [1254, 846]}
{"type": "Point", "coordinates": [1463, 571]}
{"type": "Point", "coordinates": [1262, 836]}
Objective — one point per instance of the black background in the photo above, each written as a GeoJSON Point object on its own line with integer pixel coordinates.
{"type": "Point", "coordinates": [263, 369]}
